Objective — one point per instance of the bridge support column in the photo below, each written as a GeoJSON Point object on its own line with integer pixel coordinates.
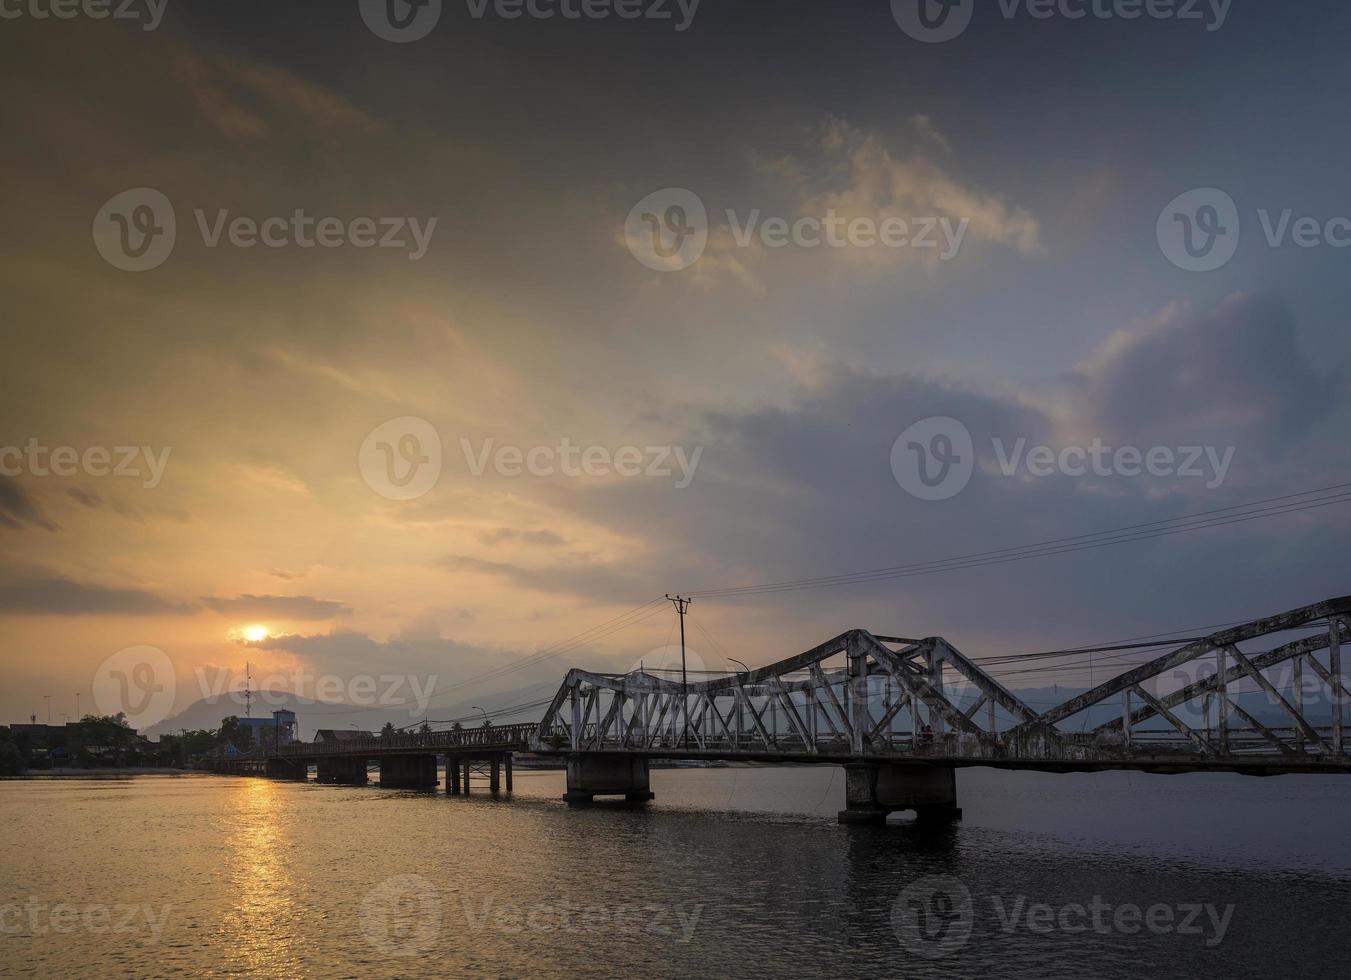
{"type": "Point", "coordinates": [872, 790]}
{"type": "Point", "coordinates": [593, 775]}
{"type": "Point", "coordinates": [453, 767]}
{"type": "Point", "coordinates": [341, 771]}
{"type": "Point", "coordinates": [408, 771]}
{"type": "Point", "coordinates": [506, 762]}
{"type": "Point", "coordinates": [495, 777]}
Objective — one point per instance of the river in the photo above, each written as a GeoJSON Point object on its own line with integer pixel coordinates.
{"type": "Point", "coordinates": [730, 872]}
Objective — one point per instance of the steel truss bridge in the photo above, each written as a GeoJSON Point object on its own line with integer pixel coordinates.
{"type": "Point", "coordinates": [1262, 698]}
{"type": "Point", "coordinates": [891, 699]}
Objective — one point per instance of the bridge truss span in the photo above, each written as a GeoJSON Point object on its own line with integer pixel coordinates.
{"type": "Point", "coordinates": [1264, 697]}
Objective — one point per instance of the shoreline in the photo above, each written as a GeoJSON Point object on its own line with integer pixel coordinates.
{"type": "Point", "coordinates": [39, 774]}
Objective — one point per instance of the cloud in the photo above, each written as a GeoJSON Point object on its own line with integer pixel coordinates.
{"type": "Point", "coordinates": [805, 488]}
{"type": "Point", "coordinates": [416, 650]}
{"type": "Point", "coordinates": [247, 100]}
{"type": "Point", "coordinates": [609, 581]}
{"type": "Point", "coordinates": [1233, 376]}
{"type": "Point", "coordinates": [277, 606]}
{"type": "Point", "coordinates": [857, 175]}
{"type": "Point", "coordinates": [65, 597]}
{"type": "Point", "coordinates": [17, 509]}
{"type": "Point", "coordinates": [540, 538]}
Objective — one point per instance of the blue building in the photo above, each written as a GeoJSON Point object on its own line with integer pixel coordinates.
{"type": "Point", "coordinates": [280, 729]}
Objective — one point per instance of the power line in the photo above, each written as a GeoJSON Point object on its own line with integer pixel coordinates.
{"type": "Point", "coordinates": [1240, 513]}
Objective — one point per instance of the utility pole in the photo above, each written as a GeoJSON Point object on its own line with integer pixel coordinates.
{"type": "Point", "coordinates": [681, 604]}
{"type": "Point", "coordinates": [49, 709]}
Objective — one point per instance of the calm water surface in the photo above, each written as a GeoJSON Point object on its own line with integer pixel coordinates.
{"type": "Point", "coordinates": [732, 872]}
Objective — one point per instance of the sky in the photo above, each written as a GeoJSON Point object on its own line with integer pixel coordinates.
{"type": "Point", "coordinates": [532, 339]}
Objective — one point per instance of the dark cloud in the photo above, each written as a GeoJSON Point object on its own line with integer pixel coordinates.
{"type": "Point", "coordinates": [64, 597]}
{"type": "Point", "coordinates": [806, 488]}
{"type": "Point", "coordinates": [17, 509]}
{"type": "Point", "coordinates": [1233, 375]}
{"type": "Point", "coordinates": [279, 606]}
{"type": "Point", "coordinates": [350, 652]}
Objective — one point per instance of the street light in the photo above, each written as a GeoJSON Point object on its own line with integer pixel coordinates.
{"type": "Point", "coordinates": [739, 664]}
{"type": "Point", "coordinates": [486, 722]}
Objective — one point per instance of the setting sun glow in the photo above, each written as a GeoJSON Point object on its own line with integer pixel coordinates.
{"type": "Point", "coordinates": [255, 633]}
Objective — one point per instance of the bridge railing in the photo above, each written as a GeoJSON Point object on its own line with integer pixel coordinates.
{"type": "Point", "coordinates": [494, 737]}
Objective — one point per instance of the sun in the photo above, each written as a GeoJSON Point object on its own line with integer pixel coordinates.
{"type": "Point", "coordinates": [255, 634]}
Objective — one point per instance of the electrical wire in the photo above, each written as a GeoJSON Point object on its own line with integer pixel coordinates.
{"type": "Point", "coordinates": [1203, 520]}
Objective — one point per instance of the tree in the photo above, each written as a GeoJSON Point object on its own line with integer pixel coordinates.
{"type": "Point", "coordinates": [11, 759]}
{"type": "Point", "coordinates": [387, 730]}
{"type": "Point", "coordinates": [232, 733]}
{"type": "Point", "coordinates": [424, 729]}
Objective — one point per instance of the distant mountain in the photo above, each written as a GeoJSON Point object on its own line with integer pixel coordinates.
{"type": "Point", "coordinates": [312, 715]}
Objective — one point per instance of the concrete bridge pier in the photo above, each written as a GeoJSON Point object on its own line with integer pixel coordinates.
{"type": "Point", "coordinates": [408, 771]}
{"type": "Point", "coordinates": [454, 766]}
{"type": "Point", "coordinates": [341, 771]}
{"type": "Point", "coordinates": [592, 775]}
{"type": "Point", "coordinates": [872, 790]}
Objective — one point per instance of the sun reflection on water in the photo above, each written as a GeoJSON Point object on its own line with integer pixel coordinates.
{"type": "Point", "coordinates": [258, 928]}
